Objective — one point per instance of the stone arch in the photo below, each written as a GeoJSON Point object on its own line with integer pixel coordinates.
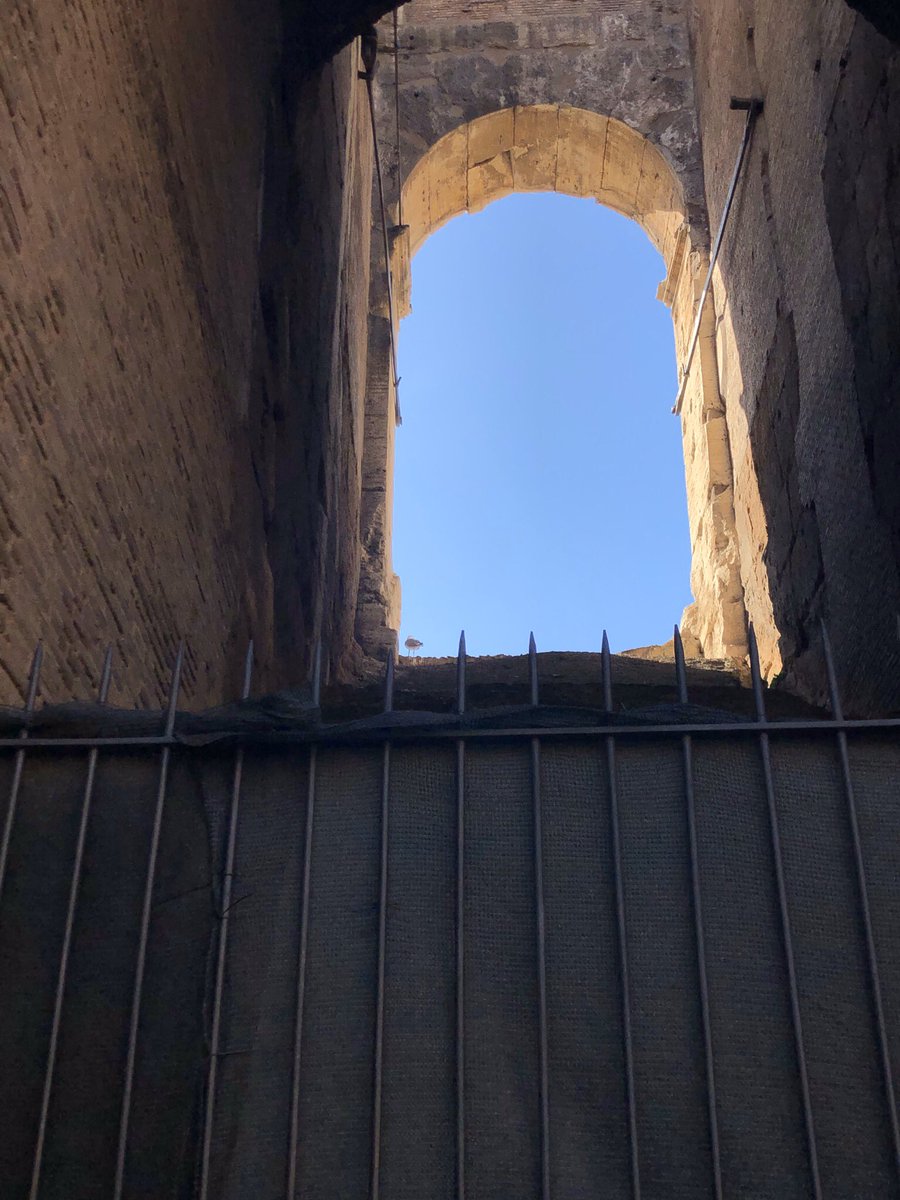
{"type": "Point", "coordinates": [553, 147]}
{"type": "Point", "coordinates": [546, 148]}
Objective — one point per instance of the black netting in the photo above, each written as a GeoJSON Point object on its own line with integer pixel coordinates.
{"type": "Point", "coordinates": [835, 1001]}
{"type": "Point", "coordinates": [760, 1115]}
{"type": "Point", "coordinates": [502, 1103]}
{"type": "Point", "coordinates": [671, 1089]}
{"type": "Point", "coordinates": [419, 1052]}
{"type": "Point", "coordinates": [336, 1139]}
{"type": "Point", "coordinates": [86, 1101]}
{"type": "Point", "coordinates": [764, 1153]}
{"type": "Point", "coordinates": [589, 1130]}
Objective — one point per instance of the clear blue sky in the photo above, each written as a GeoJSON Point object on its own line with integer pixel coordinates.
{"type": "Point", "coordinates": [539, 474]}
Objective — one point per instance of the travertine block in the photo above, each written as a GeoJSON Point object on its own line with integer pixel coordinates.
{"type": "Point", "coordinates": [536, 148]}
{"type": "Point", "coordinates": [417, 204]}
{"type": "Point", "coordinates": [582, 145]}
{"type": "Point", "coordinates": [489, 181]}
{"type": "Point", "coordinates": [401, 274]}
{"type": "Point", "coordinates": [449, 187]}
{"type": "Point", "coordinates": [622, 168]}
{"type": "Point", "coordinates": [491, 135]}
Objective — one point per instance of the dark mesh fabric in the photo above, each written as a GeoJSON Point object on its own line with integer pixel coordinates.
{"type": "Point", "coordinates": [875, 763]}
{"type": "Point", "coordinates": [764, 1154]}
{"type": "Point", "coordinates": [589, 1134]}
{"type": "Point", "coordinates": [171, 1056]}
{"type": "Point", "coordinates": [503, 1118]}
{"type": "Point", "coordinates": [845, 1079]}
{"type": "Point", "coordinates": [35, 894]}
{"type": "Point", "coordinates": [257, 1032]}
{"type": "Point", "coordinates": [82, 1138]}
{"type": "Point", "coordinates": [760, 1115]}
{"type": "Point", "coordinates": [338, 1044]}
{"type": "Point", "coordinates": [420, 1026]}
{"type": "Point", "coordinates": [671, 1089]}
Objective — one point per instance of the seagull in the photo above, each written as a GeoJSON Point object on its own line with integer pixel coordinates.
{"type": "Point", "coordinates": [412, 644]}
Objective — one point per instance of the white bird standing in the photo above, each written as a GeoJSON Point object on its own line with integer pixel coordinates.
{"type": "Point", "coordinates": [412, 645]}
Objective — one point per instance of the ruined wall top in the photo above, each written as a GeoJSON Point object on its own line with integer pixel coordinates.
{"type": "Point", "coordinates": [491, 10]}
{"type": "Point", "coordinates": [625, 59]}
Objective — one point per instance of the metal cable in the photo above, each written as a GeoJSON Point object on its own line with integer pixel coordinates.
{"type": "Point", "coordinates": [228, 875]}
{"type": "Point", "coordinates": [146, 918]}
{"type": "Point", "coordinates": [369, 53]}
{"type": "Point", "coordinates": [709, 1063]}
{"type": "Point", "coordinates": [753, 109]}
{"type": "Point", "coordinates": [397, 119]}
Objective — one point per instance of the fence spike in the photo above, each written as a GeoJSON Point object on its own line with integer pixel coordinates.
{"type": "Point", "coordinates": [680, 668]}
{"type": "Point", "coordinates": [34, 677]}
{"type": "Point", "coordinates": [317, 673]}
{"type": "Point", "coordinates": [248, 671]}
{"type": "Point", "coordinates": [105, 676]}
{"type": "Point", "coordinates": [34, 682]}
{"type": "Point", "coordinates": [461, 675]}
{"type": "Point", "coordinates": [533, 670]}
{"type": "Point", "coordinates": [174, 689]}
{"type": "Point", "coordinates": [756, 674]}
{"type": "Point", "coordinates": [834, 694]}
{"type": "Point", "coordinates": [606, 659]}
{"type": "Point", "coordinates": [389, 680]}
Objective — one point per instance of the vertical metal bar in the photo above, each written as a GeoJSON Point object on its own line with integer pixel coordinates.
{"type": "Point", "coordinates": [460, 928]}
{"type": "Point", "coordinates": [222, 949]}
{"type": "Point", "coordinates": [138, 993]}
{"type": "Point", "coordinates": [784, 911]}
{"type": "Point", "coordinates": [62, 972]}
{"type": "Point", "coordinates": [865, 905]}
{"type": "Point", "coordinates": [34, 681]}
{"type": "Point", "coordinates": [541, 930]}
{"type": "Point", "coordinates": [696, 892]}
{"type": "Point", "coordinates": [378, 1082]}
{"type": "Point", "coordinates": [303, 954]}
{"type": "Point", "coordinates": [621, 927]}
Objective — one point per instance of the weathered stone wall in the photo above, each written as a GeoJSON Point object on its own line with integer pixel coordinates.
{"type": "Point", "coordinates": [592, 99]}
{"type": "Point", "coordinates": [808, 300]}
{"type": "Point", "coordinates": [884, 15]}
{"type": "Point", "coordinates": [131, 139]}
{"type": "Point", "coordinates": [314, 302]}
{"type": "Point", "coordinates": [190, 367]}
{"type": "Point", "coordinates": [179, 348]}
{"type": "Point", "coordinates": [622, 58]}
{"type": "Point", "coordinates": [316, 30]}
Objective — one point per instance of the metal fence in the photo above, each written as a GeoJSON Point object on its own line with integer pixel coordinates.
{"type": "Point", "coordinates": [724, 1161]}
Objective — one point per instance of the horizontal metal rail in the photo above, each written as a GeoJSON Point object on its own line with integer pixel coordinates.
{"type": "Point", "coordinates": [377, 736]}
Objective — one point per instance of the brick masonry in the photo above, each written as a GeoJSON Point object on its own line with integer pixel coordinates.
{"type": "Point", "coordinates": [176, 354]}
{"type": "Point", "coordinates": [131, 139]}
{"type": "Point", "coordinates": [808, 309]}
{"type": "Point", "coordinates": [185, 230]}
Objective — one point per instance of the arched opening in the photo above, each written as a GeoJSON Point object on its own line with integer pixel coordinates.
{"type": "Point", "coordinates": [584, 154]}
{"type": "Point", "coordinates": [538, 478]}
